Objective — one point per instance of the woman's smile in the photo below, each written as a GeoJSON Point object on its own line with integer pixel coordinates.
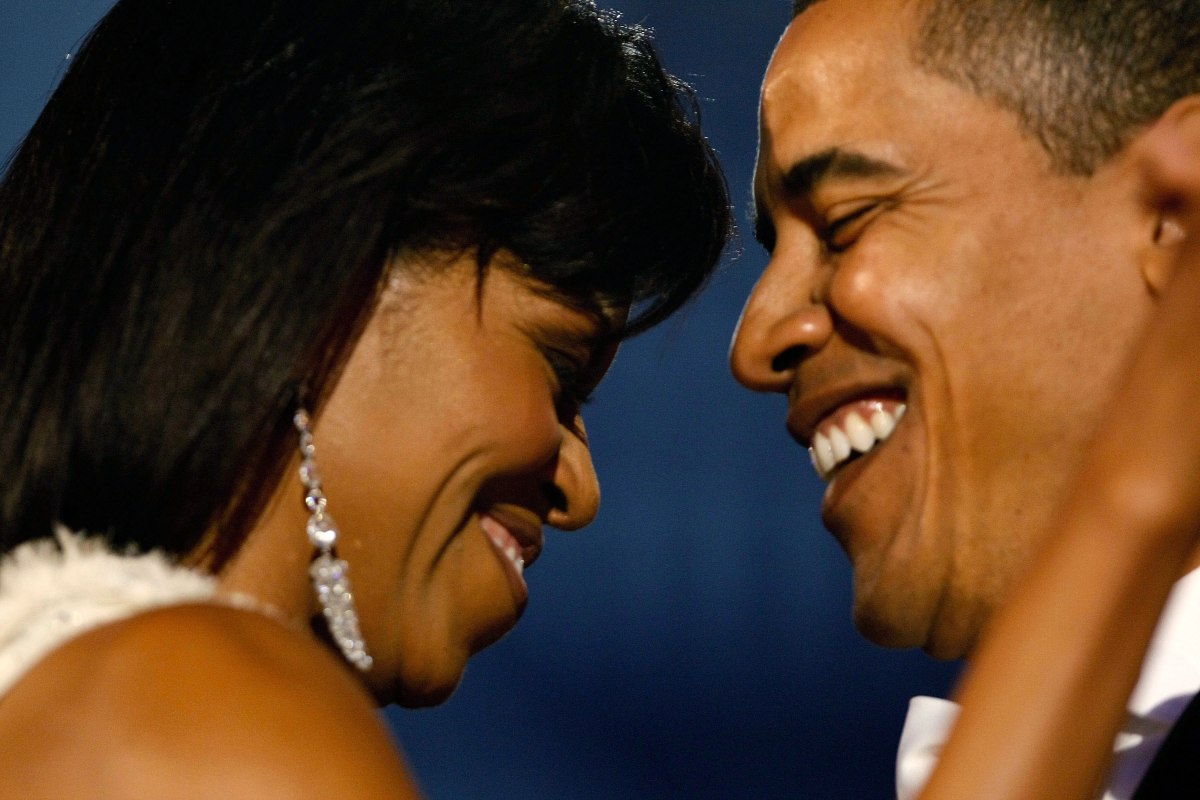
{"type": "Point", "coordinates": [450, 393]}
{"type": "Point", "coordinates": [518, 542]}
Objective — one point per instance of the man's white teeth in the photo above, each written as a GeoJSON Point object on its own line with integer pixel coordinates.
{"type": "Point", "coordinates": [862, 437]}
{"type": "Point", "coordinates": [822, 455]}
{"type": "Point", "coordinates": [883, 423]}
{"type": "Point", "coordinates": [841, 445]}
{"type": "Point", "coordinates": [515, 557]}
{"type": "Point", "coordinates": [834, 445]}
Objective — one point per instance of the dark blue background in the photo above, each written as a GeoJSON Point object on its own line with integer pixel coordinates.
{"type": "Point", "coordinates": [695, 642]}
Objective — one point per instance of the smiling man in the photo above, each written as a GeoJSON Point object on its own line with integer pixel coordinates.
{"type": "Point", "coordinates": [962, 262]}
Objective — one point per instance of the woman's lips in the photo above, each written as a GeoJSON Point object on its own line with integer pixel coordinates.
{"type": "Point", "coordinates": [518, 542]}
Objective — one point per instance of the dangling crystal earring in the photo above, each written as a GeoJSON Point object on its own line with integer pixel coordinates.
{"type": "Point", "coordinates": [329, 573]}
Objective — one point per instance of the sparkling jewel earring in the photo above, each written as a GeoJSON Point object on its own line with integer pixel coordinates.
{"type": "Point", "coordinates": [329, 573]}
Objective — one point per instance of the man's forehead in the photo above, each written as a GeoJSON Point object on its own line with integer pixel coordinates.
{"type": "Point", "coordinates": [838, 35]}
{"type": "Point", "coordinates": [835, 78]}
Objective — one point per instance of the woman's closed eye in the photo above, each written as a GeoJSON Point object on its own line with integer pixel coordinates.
{"type": "Point", "coordinates": [574, 386]}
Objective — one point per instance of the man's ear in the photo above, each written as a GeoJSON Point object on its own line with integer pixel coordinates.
{"type": "Point", "coordinates": [1168, 146]}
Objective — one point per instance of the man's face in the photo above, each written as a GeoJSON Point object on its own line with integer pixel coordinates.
{"type": "Point", "coordinates": [930, 267]}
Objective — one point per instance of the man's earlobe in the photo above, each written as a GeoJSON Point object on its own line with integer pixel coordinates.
{"type": "Point", "coordinates": [1168, 157]}
{"type": "Point", "coordinates": [1168, 231]}
{"type": "Point", "coordinates": [1158, 263]}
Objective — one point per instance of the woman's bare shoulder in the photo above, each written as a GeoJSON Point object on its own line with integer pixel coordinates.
{"type": "Point", "coordinates": [197, 701]}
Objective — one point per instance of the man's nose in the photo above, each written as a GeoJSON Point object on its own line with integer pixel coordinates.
{"type": "Point", "coordinates": [575, 490]}
{"type": "Point", "coordinates": [783, 322]}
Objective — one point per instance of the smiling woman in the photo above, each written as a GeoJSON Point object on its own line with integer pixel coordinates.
{"type": "Point", "coordinates": [447, 443]}
{"type": "Point", "coordinates": [266, 265]}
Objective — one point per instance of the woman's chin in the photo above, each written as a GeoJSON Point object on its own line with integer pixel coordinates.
{"type": "Point", "coordinates": [410, 689]}
{"type": "Point", "coordinates": [425, 696]}
{"type": "Point", "coordinates": [429, 668]}
{"type": "Point", "coordinates": [497, 631]}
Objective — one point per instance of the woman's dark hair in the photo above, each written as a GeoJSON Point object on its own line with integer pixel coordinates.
{"type": "Point", "coordinates": [200, 221]}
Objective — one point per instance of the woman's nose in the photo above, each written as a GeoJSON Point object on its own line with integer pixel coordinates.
{"type": "Point", "coordinates": [575, 490]}
{"type": "Point", "coordinates": [781, 324]}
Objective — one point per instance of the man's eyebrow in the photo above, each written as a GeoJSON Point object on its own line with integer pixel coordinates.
{"type": "Point", "coordinates": [804, 177]}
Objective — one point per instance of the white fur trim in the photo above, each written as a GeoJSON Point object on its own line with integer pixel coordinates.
{"type": "Point", "coordinates": [52, 590]}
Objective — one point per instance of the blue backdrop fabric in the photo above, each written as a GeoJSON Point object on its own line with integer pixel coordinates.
{"type": "Point", "coordinates": [695, 642]}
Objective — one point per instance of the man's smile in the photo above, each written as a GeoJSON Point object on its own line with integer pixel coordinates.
{"type": "Point", "coordinates": [853, 429]}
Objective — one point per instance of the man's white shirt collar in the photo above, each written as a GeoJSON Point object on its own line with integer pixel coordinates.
{"type": "Point", "coordinates": [1170, 677]}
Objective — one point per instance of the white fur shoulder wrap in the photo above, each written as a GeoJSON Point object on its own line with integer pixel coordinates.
{"type": "Point", "coordinates": [52, 590]}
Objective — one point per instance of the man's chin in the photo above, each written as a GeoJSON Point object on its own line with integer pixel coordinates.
{"type": "Point", "coordinates": [905, 626]}
{"type": "Point", "coordinates": [951, 649]}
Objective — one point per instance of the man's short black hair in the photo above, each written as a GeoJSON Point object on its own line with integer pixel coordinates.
{"type": "Point", "coordinates": [1082, 75]}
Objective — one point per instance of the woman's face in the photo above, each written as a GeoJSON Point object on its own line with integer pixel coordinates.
{"type": "Point", "coordinates": [451, 437]}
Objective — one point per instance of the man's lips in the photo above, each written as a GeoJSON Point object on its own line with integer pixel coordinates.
{"type": "Point", "coordinates": [841, 425]}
